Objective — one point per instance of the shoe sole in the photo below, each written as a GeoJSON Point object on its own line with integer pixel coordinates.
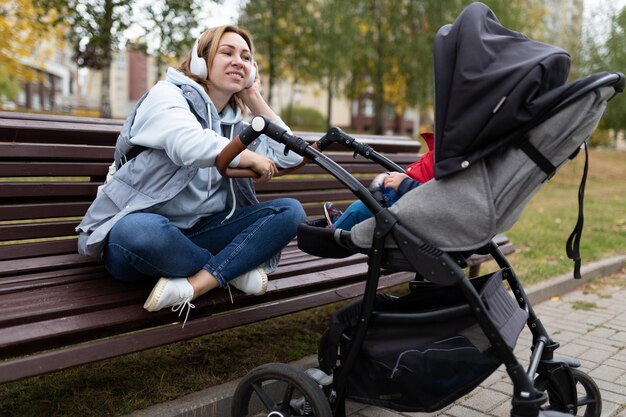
{"type": "Point", "coordinates": [155, 295]}
{"type": "Point", "coordinates": [265, 282]}
{"type": "Point", "coordinates": [328, 219]}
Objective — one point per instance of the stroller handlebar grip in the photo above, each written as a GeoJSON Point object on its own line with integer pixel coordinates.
{"type": "Point", "coordinates": [258, 126]}
{"type": "Point", "coordinates": [254, 130]}
{"type": "Point", "coordinates": [236, 146]}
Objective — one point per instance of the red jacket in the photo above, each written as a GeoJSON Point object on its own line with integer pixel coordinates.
{"type": "Point", "coordinates": [423, 169]}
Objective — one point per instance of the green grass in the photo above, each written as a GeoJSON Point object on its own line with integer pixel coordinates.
{"type": "Point", "coordinates": [584, 305]}
{"type": "Point", "coordinates": [133, 382]}
{"type": "Point", "coordinates": [541, 233]}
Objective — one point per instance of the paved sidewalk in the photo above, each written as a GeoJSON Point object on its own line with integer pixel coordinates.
{"type": "Point", "coordinates": [589, 325]}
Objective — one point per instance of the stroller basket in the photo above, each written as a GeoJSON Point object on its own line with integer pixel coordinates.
{"type": "Point", "coordinates": [423, 350]}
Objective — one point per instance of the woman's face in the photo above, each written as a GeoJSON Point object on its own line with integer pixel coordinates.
{"type": "Point", "coordinates": [231, 65]}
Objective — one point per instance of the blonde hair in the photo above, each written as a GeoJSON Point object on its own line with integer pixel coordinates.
{"type": "Point", "coordinates": [207, 49]}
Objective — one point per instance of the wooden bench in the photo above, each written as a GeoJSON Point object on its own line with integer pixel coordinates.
{"type": "Point", "coordinates": [59, 309]}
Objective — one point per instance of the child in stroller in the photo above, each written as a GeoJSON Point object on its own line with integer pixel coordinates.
{"type": "Point", "coordinates": [422, 351]}
{"type": "Point", "coordinates": [392, 185]}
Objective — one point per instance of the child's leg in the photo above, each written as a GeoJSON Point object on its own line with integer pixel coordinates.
{"type": "Point", "coordinates": [355, 213]}
{"type": "Point", "coordinates": [391, 196]}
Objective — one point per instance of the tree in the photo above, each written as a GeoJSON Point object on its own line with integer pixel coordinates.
{"type": "Point", "coordinates": [392, 53]}
{"type": "Point", "coordinates": [304, 41]}
{"type": "Point", "coordinates": [612, 57]}
{"type": "Point", "coordinates": [23, 25]}
{"type": "Point", "coordinates": [96, 29]}
{"type": "Point", "coordinates": [9, 85]}
{"type": "Point", "coordinates": [330, 62]}
{"type": "Point", "coordinates": [281, 30]}
{"type": "Point", "coordinates": [168, 29]}
{"type": "Point", "coordinates": [378, 49]}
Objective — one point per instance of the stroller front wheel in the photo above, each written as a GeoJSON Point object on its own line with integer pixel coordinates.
{"type": "Point", "coordinates": [279, 390]}
{"type": "Point", "coordinates": [588, 396]}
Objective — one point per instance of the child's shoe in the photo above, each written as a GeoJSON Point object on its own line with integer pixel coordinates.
{"type": "Point", "coordinates": [331, 213]}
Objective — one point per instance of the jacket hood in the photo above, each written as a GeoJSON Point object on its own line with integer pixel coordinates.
{"type": "Point", "coordinates": [229, 116]}
{"type": "Point", "coordinates": [178, 78]}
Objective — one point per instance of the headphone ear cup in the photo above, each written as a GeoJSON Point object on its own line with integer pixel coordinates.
{"type": "Point", "coordinates": [252, 76]}
{"type": "Point", "coordinates": [197, 66]}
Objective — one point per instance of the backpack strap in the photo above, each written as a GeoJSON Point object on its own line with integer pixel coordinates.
{"type": "Point", "coordinates": [125, 150]}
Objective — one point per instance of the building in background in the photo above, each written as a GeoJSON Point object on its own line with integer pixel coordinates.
{"type": "Point", "coordinates": [311, 96]}
{"type": "Point", "coordinates": [54, 87]}
{"type": "Point", "coordinates": [564, 23]}
{"type": "Point", "coordinates": [133, 72]}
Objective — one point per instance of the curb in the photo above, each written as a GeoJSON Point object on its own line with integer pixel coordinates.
{"type": "Point", "coordinates": [565, 283]}
{"type": "Point", "coordinates": [216, 401]}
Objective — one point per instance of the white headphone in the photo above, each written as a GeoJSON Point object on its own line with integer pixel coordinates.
{"type": "Point", "coordinates": [197, 66]}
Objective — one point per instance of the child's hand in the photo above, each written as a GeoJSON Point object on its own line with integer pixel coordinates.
{"type": "Point", "coordinates": [393, 180]}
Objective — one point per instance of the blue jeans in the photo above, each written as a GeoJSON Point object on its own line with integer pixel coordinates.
{"type": "Point", "coordinates": [145, 246]}
{"type": "Point", "coordinates": [357, 212]}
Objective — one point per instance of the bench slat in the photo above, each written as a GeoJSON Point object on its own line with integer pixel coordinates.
{"type": "Point", "coordinates": [37, 249]}
{"type": "Point", "coordinates": [48, 189]}
{"type": "Point", "coordinates": [52, 169]}
{"type": "Point", "coordinates": [27, 282]}
{"type": "Point", "coordinates": [37, 230]}
{"type": "Point", "coordinates": [43, 152]}
{"type": "Point", "coordinates": [43, 210]}
{"type": "Point", "coordinates": [43, 263]}
{"type": "Point", "coordinates": [55, 318]}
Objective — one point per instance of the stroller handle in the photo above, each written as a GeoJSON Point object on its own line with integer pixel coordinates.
{"type": "Point", "coordinates": [260, 125]}
{"type": "Point", "coordinates": [428, 260]}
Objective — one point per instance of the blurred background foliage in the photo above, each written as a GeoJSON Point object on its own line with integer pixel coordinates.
{"type": "Point", "coordinates": [349, 47]}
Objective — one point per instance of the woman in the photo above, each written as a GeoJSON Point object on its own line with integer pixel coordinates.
{"type": "Point", "coordinates": [166, 215]}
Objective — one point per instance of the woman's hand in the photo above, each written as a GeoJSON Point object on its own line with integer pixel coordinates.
{"type": "Point", "coordinates": [265, 167]}
{"type": "Point", "coordinates": [393, 180]}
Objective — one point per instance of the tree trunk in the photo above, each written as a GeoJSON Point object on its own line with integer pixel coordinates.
{"type": "Point", "coordinates": [379, 88]}
{"type": "Point", "coordinates": [105, 92]}
{"type": "Point", "coordinates": [159, 65]}
{"type": "Point", "coordinates": [271, 59]}
{"type": "Point", "coordinates": [329, 102]}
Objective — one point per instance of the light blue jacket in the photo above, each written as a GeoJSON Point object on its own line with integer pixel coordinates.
{"type": "Point", "coordinates": [175, 176]}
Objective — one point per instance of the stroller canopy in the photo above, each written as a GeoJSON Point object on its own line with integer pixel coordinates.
{"type": "Point", "coordinates": [489, 81]}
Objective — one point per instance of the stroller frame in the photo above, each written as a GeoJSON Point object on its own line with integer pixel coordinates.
{"type": "Point", "coordinates": [526, 399]}
{"type": "Point", "coordinates": [547, 377]}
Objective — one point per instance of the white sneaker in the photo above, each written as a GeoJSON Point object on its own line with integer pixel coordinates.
{"type": "Point", "coordinates": [253, 282]}
{"type": "Point", "coordinates": [169, 292]}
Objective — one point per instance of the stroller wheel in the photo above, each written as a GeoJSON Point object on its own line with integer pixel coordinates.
{"type": "Point", "coordinates": [589, 399]}
{"type": "Point", "coordinates": [279, 390]}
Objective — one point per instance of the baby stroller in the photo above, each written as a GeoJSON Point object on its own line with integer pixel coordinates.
{"type": "Point", "coordinates": [422, 351]}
